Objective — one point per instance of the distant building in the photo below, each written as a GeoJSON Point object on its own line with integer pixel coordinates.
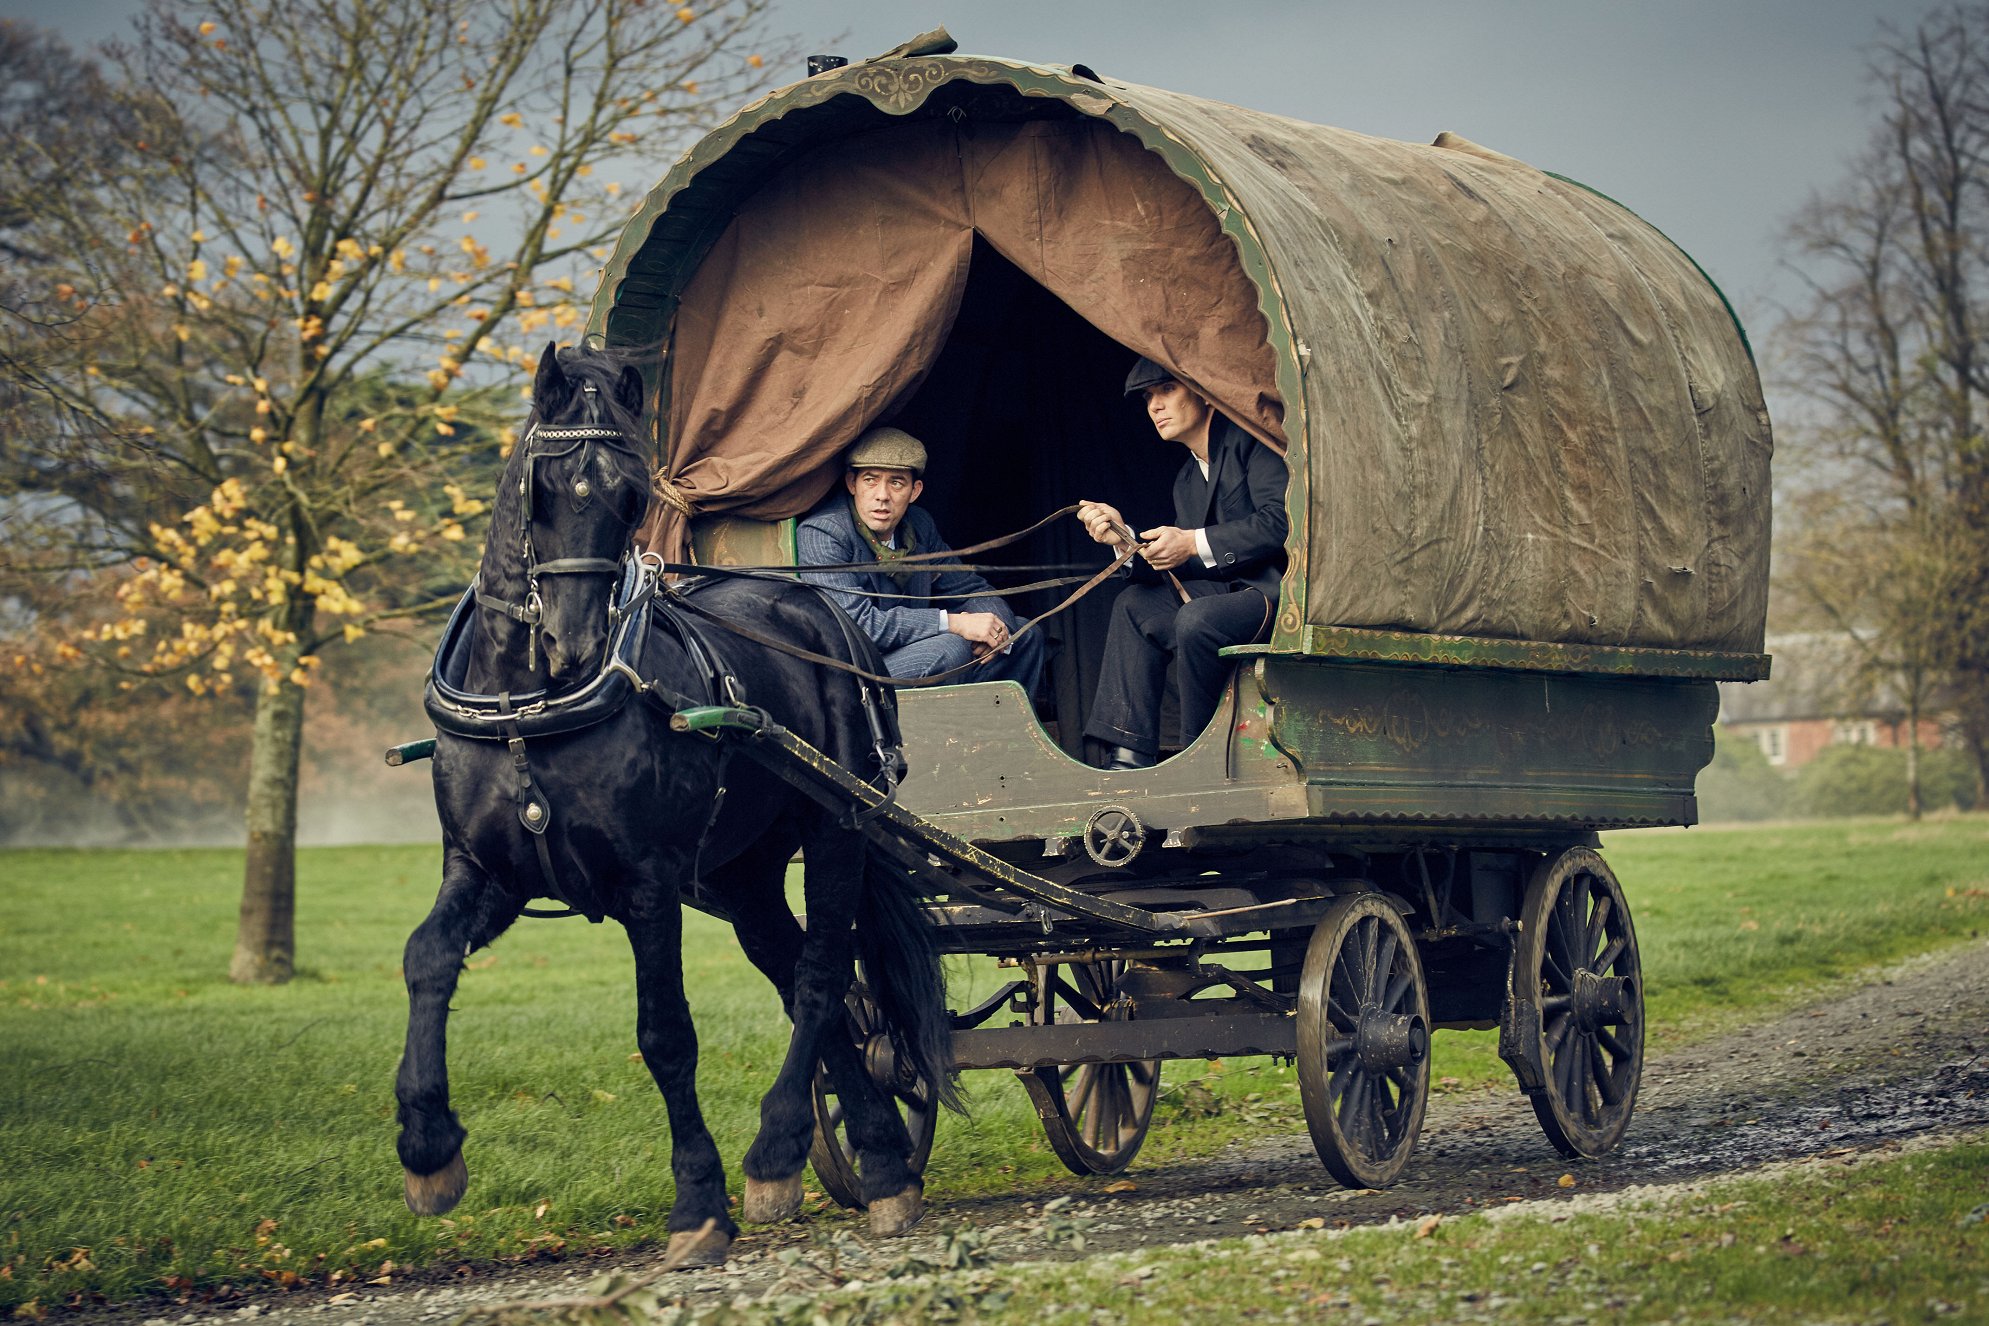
{"type": "Point", "coordinates": [1814, 700]}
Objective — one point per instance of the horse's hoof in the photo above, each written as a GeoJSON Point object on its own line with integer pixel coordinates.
{"type": "Point", "coordinates": [697, 1249]}
{"type": "Point", "coordinates": [897, 1214]}
{"type": "Point", "coordinates": [769, 1201]}
{"type": "Point", "coordinates": [437, 1193]}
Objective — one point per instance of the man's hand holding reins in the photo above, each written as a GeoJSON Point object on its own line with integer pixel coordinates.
{"type": "Point", "coordinates": [1103, 523]}
{"type": "Point", "coordinates": [1166, 546]}
{"type": "Point", "coordinates": [984, 630]}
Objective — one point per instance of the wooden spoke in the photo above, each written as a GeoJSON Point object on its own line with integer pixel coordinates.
{"type": "Point", "coordinates": [1598, 922]}
{"type": "Point", "coordinates": [1361, 976]}
{"type": "Point", "coordinates": [1579, 1047]}
{"type": "Point", "coordinates": [1095, 1116]}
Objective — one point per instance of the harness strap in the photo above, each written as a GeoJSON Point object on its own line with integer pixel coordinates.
{"type": "Point", "coordinates": [527, 613]}
{"type": "Point", "coordinates": [801, 573]}
{"type": "Point", "coordinates": [535, 814]}
{"type": "Point", "coordinates": [927, 561]}
{"type": "Point", "coordinates": [883, 749]}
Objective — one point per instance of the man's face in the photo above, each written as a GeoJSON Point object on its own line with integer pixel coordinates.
{"type": "Point", "coordinates": [1175, 410]}
{"type": "Point", "coordinates": [882, 497]}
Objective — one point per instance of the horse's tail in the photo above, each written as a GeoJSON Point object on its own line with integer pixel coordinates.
{"type": "Point", "coordinates": [894, 942]}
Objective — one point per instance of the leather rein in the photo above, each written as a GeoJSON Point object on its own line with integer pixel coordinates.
{"type": "Point", "coordinates": [512, 719]}
{"type": "Point", "coordinates": [944, 560]}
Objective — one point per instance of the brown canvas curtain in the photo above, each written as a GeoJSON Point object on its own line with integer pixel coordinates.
{"type": "Point", "coordinates": [831, 292]}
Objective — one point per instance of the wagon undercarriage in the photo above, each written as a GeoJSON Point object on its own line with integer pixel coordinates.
{"type": "Point", "coordinates": [1338, 945]}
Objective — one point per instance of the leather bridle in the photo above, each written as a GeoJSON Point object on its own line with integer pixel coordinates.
{"type": "Point", "coordinates": [531, 612]}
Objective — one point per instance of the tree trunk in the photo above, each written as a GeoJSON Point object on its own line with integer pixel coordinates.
{"type": "Point", "coordinates": [1913, 806]}
{"type": "Point", "coordinates": [266, 936]}
{"type": "Point", "coordinates": [1975, 735]}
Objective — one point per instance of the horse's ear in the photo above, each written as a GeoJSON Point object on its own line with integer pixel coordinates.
{"type": "Point", "coordinates": [550, 388]}
{"type": "Point", "coordinates": [628, 390]}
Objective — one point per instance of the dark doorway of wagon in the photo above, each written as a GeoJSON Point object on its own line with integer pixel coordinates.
{"type": "Point", "coordinates": [1021, 414]}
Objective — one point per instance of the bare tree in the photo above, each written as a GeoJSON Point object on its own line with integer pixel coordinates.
{"type": "Point", "coordinates": [263, 345]}
{"type": "Point", "coordinates": [1891, 540]}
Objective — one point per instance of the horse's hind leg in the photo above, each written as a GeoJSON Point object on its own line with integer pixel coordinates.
{"type": "Point", "coordinates": [772, 940]}
{"type": "Point", "coordinates": [834, 880]}
{"type": "Point", "coordinates": [469, 912]}
{"type": "Point", "coordinates": [669, 1047]}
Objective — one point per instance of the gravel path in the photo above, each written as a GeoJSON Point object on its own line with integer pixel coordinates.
{"type": "Point", "coordinates": [1903, 1056]}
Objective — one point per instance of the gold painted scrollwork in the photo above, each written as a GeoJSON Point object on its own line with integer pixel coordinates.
{"type": "Point", "coordinates": [899, 85]}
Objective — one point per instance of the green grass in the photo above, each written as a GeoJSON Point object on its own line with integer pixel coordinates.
{"type": "Point", "coordinates": [160, 1120]}
{"type": "Point", "coordinates": [1897, 1240]}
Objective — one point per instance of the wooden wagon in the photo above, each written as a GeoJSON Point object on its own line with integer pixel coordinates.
{"type": "Point", "coordinates": [1529, 465]}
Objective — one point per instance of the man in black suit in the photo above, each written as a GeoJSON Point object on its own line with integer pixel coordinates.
{"type": "Point", "coordinates": [1221, 560]}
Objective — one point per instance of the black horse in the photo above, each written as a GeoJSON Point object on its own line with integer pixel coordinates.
{"type": "Point", "coordinates": [557, 775]}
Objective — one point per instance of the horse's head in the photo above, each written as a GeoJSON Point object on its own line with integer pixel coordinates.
{"type": "Point", "coordinates": [583, 485]}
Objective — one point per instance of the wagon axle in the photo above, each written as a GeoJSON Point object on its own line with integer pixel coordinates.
{"type": "Point", "coordinates": [1390, 1040]}
{"type": "Point", "coordinates": [1599, 1001]}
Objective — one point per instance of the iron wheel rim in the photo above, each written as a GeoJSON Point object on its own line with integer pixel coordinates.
{"type": "Point", "coordinates": [1095, 1116]}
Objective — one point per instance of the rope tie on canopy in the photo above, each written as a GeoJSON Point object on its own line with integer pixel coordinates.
{"type": "Point", "coordinates": [666, 489]}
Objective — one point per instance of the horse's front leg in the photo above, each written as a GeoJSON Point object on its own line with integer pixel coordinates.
{"type": "Point", "coordinates": [469, 912]}
{"type": "Point", "coordinates": [669, 1046]}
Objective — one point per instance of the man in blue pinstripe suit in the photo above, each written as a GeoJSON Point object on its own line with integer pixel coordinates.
{"type": "Point", "coordinates": [948, 618]}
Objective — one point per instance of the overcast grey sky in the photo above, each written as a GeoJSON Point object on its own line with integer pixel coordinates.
{"type": "Point", "coordinates": [1713, 119]}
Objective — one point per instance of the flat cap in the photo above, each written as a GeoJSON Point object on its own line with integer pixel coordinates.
{"type": "Point", "coordinates": [888, 449]}
{"type": "Point", "coordinates": [1146, 374]}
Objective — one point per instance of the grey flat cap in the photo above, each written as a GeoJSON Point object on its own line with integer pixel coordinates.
{"type": "Point", "coordinates": [888, 449]}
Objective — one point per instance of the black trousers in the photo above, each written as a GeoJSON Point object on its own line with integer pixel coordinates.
{"type": "Point", "coordinates": [1152, 627]}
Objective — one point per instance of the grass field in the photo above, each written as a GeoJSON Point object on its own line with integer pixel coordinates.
{"type": "Point", "coordinates": [164, 1128]}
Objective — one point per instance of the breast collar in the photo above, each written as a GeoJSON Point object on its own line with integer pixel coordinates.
{"type": "Point", "coordinates": [464, 713]}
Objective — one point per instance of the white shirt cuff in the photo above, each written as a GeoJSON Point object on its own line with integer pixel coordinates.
{"type": "Point", "coordinates": [945, 622]}
{"type": "Point", "coordinates": [1202, 547]}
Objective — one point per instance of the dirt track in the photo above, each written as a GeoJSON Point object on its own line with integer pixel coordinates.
{"type": "Point", "coordinates": [1906, 1055]}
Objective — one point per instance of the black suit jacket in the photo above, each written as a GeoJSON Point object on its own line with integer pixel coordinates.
{"type": "Point", "coordinates": [1241, 505]}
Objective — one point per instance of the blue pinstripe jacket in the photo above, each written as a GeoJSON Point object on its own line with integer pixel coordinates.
{"type": "Point", "coordinates": [828, 535]}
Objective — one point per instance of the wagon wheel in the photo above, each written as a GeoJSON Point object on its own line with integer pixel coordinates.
{"type": "Point", "coordinates": [1096, 1116]}
{"type": "Point", "coordinates": [1578, 1003]}
{"type": "Point", "coordinates": [1363, 1041]}
{"type": "Point", "coordinates": [831, 1154]}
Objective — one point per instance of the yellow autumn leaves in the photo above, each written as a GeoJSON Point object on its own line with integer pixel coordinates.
{"type": "Point", "coordinates": [225, 576]}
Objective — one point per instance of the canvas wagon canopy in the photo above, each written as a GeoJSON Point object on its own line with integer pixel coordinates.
{"type": "Point", "coordinates": [1510, 407]}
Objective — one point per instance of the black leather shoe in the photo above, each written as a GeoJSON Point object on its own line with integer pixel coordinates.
{"type": "Point", "coordinates": [1121, 758]}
